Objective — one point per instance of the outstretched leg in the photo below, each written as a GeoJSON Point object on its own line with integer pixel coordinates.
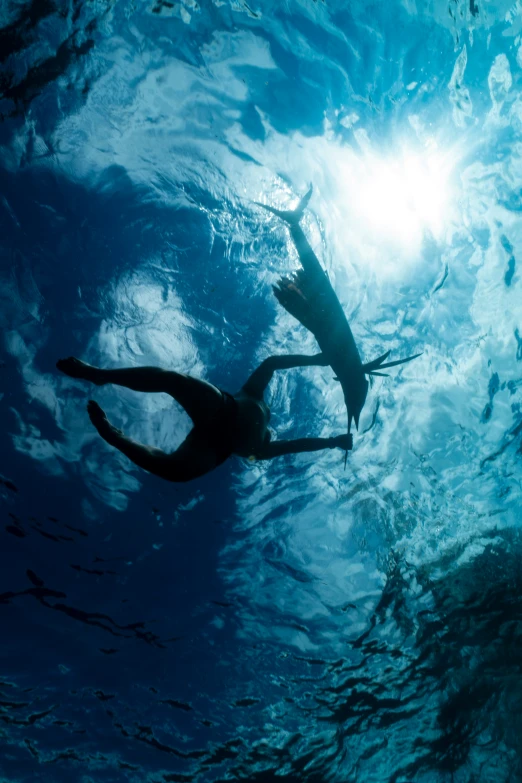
{"type": "Point", "coordinates": [200, 399]}
{"type": "Point", "coordinates": [260, 378]}
{"type": "Point", "coordinates": [193, 458]}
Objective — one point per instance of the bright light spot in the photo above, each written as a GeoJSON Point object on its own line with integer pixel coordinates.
{"type": "Point", "coordinates": [401, 198]}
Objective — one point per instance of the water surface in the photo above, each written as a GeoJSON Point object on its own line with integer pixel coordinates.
{"type": "Point", "coordinates": [287, 621]}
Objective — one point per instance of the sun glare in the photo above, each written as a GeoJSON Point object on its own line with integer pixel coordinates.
{"type": "Point", "coordinates": [401, 198]}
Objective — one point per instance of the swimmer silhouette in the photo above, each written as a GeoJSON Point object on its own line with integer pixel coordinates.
{"type": "Point", "coordinates": [224, 424]}
{"type": "Point", "coordinates": [309, 297]}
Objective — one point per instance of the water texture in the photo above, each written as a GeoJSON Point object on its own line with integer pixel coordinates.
{"type": "Point", "coordinates": [273, 621]}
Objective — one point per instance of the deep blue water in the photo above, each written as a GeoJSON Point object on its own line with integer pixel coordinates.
{"type": "Point", "coordinates": [287, 620]}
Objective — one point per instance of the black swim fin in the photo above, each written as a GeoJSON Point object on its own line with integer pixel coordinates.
{"type": "Point", "coordinates": [291, 216]}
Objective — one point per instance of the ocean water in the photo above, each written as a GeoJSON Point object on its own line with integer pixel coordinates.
{"type": "Point", "coordinates": [285, 621]}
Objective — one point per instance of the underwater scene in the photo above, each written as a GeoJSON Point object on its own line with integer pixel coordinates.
{"type": "Point", "coordinates": [260, 391]}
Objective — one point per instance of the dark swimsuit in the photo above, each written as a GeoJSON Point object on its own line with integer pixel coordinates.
{"type": "Point", "coordinates": [220, 432]}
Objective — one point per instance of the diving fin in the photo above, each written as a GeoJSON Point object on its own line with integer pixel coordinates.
{"type": "Point", "coordinates": [381, 374]}
{"type": "Point", "coordinates": [291, 216]}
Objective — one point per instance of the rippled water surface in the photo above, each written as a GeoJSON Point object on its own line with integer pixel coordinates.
{"type": "Point", "coordinates": [273, 621]}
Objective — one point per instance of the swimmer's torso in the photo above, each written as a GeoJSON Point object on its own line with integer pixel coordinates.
{"type": "Point", "coordinates": [251, 427]}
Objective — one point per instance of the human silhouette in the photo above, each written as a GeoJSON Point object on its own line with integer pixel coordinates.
{"type": "Point", "coordinates": [224, 424]}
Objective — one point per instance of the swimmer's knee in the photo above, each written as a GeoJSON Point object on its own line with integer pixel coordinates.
{"type": "Point", "coordinates": [175, 470]}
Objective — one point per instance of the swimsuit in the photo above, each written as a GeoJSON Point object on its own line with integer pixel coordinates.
{"type": "Point", "coordinates": [220, 431]}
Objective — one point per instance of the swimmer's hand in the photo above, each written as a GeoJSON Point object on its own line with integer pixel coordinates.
{"type": "Point", "coordinates": [344, 442]}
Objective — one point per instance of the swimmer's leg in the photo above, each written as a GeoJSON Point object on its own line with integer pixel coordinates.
{"type": "Point", "coordinates": [200, 399]}
{"type": "Point", "coordinates": [260, 378]}
{"type": "Point", "coordinates": [191, 460]}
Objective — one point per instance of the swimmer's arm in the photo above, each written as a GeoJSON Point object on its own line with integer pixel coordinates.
{"type": "Point", "coordinates": [279, 448]}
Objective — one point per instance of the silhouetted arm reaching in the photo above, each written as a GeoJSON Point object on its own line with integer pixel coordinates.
{"type": "Point", "coordinates": [279, 448]}
{"type": "Point", "coordinates": [260, 378]}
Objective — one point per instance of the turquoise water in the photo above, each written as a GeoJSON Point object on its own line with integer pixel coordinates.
{"type": "Point", "coordinates": [272, 621]}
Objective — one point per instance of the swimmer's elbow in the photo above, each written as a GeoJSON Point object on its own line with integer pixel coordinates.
{"type": "Point", "coordinates": [276, 448]}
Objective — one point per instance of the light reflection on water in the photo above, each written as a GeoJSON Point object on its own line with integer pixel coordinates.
{"type": "Point", "coordinates": [405, 196]}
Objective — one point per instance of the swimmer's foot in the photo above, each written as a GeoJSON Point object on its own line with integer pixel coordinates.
{"type": "Point", "coordinates": [99, 418]}
{"type": "Point", "coordinates": [75, 368]}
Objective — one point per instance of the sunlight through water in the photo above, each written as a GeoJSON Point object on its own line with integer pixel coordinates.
{"type": "Point", "coordinates": [404, 195]}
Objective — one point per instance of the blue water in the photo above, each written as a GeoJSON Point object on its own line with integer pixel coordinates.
{"type": "Point", "coordinates": [273, 621]}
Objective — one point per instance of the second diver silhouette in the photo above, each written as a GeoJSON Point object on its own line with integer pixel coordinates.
{"type": "Point", "coordinates": [308, 296]}
{"type": "Point", "coordinates": [224, 424]}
